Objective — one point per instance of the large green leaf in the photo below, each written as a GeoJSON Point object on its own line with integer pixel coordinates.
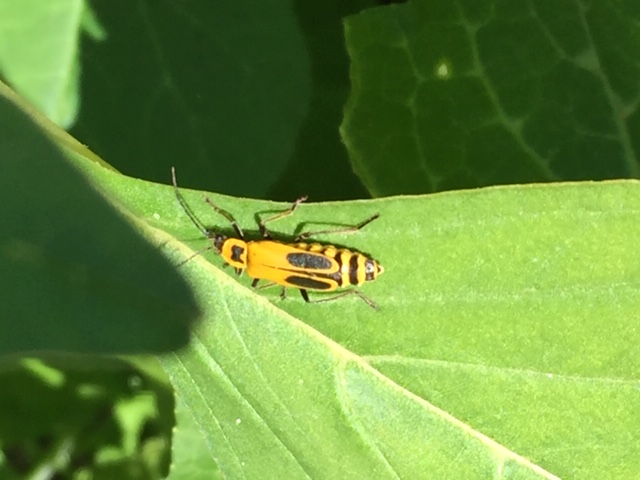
{"type": "Point", "coordinates": [451, 95]}
{"type": "Point", "coordinates": [507, 330]}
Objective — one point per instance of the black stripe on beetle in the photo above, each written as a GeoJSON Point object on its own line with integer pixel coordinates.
{"type": "Point", "coordinates": [306, 282]}
{"type": "Point", "coordinates": [353, 270]}
{"type": "Point", "coordinates": [309, 261]}
{"type": "Point", "coordinates": [337, 276]}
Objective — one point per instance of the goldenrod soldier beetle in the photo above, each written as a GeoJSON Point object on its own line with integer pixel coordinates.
{"type": "Point", "coordinates": [305, 266]}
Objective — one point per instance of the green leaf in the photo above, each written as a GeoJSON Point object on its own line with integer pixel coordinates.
{"type": "Point", "coordinates": [450, 95]}
{"type": "Point", "coordinates": [507, 331]}
{"type": "Point", "coordinates": [76, 276]}
{"type": "Point", "coordinates": [192, 459]}
{"type": "Point", "coordinates": [38, 53]}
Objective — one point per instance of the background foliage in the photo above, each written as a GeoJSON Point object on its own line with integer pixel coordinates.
{"type": "Point", "coordinates": [506, 342]}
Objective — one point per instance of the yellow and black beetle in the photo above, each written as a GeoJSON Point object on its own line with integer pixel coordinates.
{"type": "Point", "coordinates": [305, 266]}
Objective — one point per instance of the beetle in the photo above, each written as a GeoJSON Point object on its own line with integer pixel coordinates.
{"type": "Point", "coordinates": [301, 265]}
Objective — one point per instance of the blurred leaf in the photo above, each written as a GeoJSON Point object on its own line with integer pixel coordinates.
{"type": "Point", "coordinates": [76, 276]}
{"type": "Point", "coordinates": [505, 312]}
{"type": "Point", "coordinates": [87, 420]}
{"type": "Point", "coordinates": [223, 84]}
{"type": "Point", "coordinates": [319, 166]}
{"type": "Point", "coordinates": [246, 96]}
{"type": "Point", "coordinates": [450, 95]}
{"type": "Point", "coordinates": [38, 53]}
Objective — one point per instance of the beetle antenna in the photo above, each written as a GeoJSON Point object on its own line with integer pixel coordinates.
{"type": "Point", "coordinates": [195, 220]}
{"type": "Point", "coordinates": [195, 254]}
